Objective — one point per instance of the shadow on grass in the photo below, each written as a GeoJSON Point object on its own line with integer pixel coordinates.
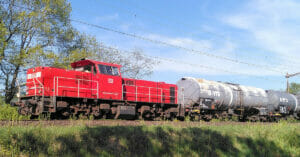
{"type": "Point", "coordinates": [145, 141]}
{"type": "Point", "coordinates": [136, 141]}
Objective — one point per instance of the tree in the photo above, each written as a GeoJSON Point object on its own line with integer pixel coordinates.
{"type": "Point", "coordinates": [295, 88]}
{"type": "Point", "coordinates": [29, 28]}
{"type": "Point", "coordinates": [39, 33]}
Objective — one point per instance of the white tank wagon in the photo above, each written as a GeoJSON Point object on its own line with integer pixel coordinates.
{"type": "Point", "coordinates": [282, 102]}
{"type": "Point", "coordinates": [217, 99]}
{"type": "Point", "coordinates": [192, 91]}
{"type": "Point", "coordinates": [225, 95]}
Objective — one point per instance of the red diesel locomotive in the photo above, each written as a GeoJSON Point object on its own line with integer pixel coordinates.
{"type": "Point", "coordinates": [98, 89]}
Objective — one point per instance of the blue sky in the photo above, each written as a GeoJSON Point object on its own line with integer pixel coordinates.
{"type": "Point", "coordinates": [260, 32]}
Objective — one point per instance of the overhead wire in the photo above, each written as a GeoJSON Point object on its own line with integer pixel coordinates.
{"type": "Point", "coordinates": [189, 50]}
{"type": "Point", "coordinates": [286, 67]}
{"type": "Point", "coordinates": [188, 63]}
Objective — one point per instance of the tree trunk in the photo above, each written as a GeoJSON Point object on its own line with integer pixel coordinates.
{"type": "Point", "coordinates": [11, 88]}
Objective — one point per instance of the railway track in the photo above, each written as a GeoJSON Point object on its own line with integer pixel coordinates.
{"type": "Point", "coordinates": [122, 123]}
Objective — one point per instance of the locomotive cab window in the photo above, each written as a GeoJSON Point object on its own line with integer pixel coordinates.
{"type": "Point", "coordinates": [86, 68]}
{"type": "Point", "coordinates": [115, 71]}
{"type": "Point", "coordinates": [108, 70]}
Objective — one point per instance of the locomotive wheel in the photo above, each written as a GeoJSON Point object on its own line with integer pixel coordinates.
{"type": "Point", "coordinates": [45, 116]}
{"type": "Point", "coordinates": [180, 118]}
{"type": "Point", "coordinates": [32, 117]}
{"type": "Point", "coordinates": [192, 117]}
{"type": "Point", "coordinates": [145, 116]}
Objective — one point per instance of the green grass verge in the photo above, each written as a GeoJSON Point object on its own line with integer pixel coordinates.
{"type": "Point", "coordinates": [282, 139]}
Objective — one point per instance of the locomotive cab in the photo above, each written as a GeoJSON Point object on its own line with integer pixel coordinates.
{"type": "Point", "coordinates": [107, 76]}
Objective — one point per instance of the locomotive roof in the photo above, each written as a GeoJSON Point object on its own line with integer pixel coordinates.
{"type": "Point", "coordinates": [83, 62]}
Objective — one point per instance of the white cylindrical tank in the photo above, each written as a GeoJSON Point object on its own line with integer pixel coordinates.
{"type": "Point", "coordinates": [192, 90]}
{"type": "Point", "coordinates": [253, 97]}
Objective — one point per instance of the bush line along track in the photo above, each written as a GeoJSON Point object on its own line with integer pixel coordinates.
{"type": "Point", "coordinates": [124, 123]}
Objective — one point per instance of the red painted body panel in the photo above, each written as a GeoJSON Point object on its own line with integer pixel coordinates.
{"type": "Point", "coordinates": [49, 81]}
{"type": "Point", "coordinates": [149, 91]}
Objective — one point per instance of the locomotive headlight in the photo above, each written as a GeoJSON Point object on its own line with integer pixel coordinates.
{"type": "Point", "coordinates": [34, 75]}
{"type": "Point", "coordinates": [29, 76]}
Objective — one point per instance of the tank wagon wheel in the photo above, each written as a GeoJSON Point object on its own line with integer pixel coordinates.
{"type": "Point", "coordinates": [242, 118]}
{"type": "Point", "coordinates": [263, 119]}
{"type": "Point", "coordinates": [276, 119]}
{"type": "Point", "coordinates": [253, 118]}
{"type": "Point", "coordinates": [207, 117]}
{"type": "Point", "coordinates": [223, 116]}
{"type": "Point", "coordinates": [296, 116]}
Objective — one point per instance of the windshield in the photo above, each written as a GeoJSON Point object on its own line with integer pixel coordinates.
{"type": "Point", "coordinates": [108, 70]}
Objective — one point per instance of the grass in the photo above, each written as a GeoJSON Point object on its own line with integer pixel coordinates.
{"type": "Point", "coordinates": [281, 139]}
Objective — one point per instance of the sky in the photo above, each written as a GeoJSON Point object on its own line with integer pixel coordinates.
{"type": "Point", "coordinates": [253, 42]}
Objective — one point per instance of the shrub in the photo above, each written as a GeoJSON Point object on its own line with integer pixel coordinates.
{"type": "Point", "coordinates": [10, 113]}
